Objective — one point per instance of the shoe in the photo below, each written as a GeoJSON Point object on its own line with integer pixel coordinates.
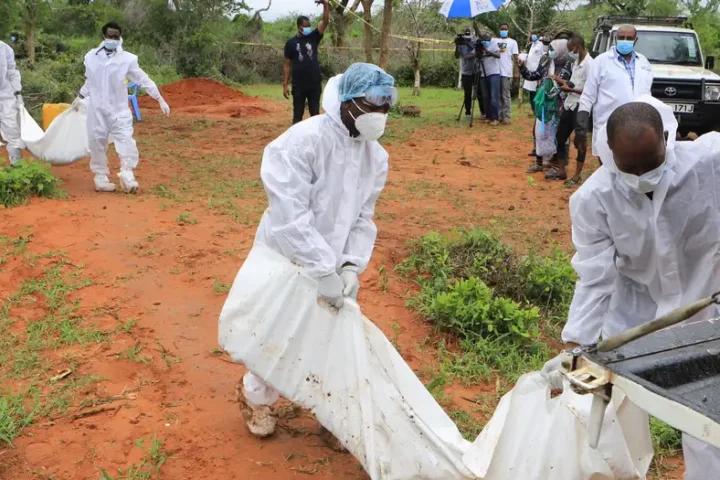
{"type": "Point", "coordinates": [103, 184]}
{"type": "Point", "coordinates": [532, 154]}
{"type": "Point", "coordinates": [468, 116]}
{"type": "Point", "coordinates": [261, 420]}
{"type": "Point", "coordinates": [534, 168]}
{"type": "Point", "coordinates": [506, 122]}
{"type": "Point", "coordinates": [494, 123]}
{"type": "Point", "coordinates": [128, 182]}
{"type": "Point", "coordinates": [555, 174]}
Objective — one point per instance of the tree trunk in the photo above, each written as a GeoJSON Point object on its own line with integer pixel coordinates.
{"type": "Point", "coordinates": [30, 32]}
{"type": "Point", "coordinates": [339, 27]}
{"type": "Point", "coordinates": [367, 16]}
{"type": "Point", "coordinates": [416, 69]}
{"type": "Point", "coordinates": [386, 32]}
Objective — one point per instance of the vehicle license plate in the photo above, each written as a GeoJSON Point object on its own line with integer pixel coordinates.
{"type": "Point", "coordinates": [682, 107]}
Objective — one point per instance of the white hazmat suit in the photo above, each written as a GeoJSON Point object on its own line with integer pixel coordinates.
{"type": "Point", "coordinates": [10, 84]}
{"type": "Point", "coordinates": [108, 110]}
{"type": "Point", "coordinates": [322, 187]}
{"type": "Point", "coordinates": [638, 259]}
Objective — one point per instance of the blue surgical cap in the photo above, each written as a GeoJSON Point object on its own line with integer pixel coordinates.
{"type": "Point", "coordinates": [363, 77]}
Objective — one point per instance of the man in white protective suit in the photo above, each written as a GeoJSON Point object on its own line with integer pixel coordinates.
{"type": "Point", "coordinates": [646, 227]}
{"type": "Point", "coordinates": [106, 69]}
{"type": "Point", "coordinates": [323, 177]}
{"type": "Point", "coordinates": [11, 102]}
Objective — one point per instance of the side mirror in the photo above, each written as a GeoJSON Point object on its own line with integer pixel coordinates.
{"type": "Point", "coordinates": [710, 63]}
{"type": "Point", "coordinates": [594, 53]}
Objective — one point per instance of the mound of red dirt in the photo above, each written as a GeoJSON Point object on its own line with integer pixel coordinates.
{"type": "Point", "coordinates": [205, 96]}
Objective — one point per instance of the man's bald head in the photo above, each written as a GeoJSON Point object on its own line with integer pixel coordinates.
{"type": "Point", "coordinates": [627, 32]}
{"type": "Point", "coordinates": [637, 138]}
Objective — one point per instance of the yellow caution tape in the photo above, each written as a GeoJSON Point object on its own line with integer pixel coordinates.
{"type": "Point", "coordinates": [277, 45]}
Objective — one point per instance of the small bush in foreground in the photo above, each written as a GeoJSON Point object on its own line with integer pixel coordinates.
{"type": "Point", "coordinates": [19, 183]}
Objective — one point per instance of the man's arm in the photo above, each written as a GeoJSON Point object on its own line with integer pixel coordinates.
{"type": "Point", "coordinates": [287, 178]}
{"type": "Point", "coordinates": [12, 74]}
{"type": "Point", "coordinates": [326, 18]}
{"type": "Point", "coordinates": [594, 263]}
{"type": "Point", "coordinates": [137, 75]}
{"type": "Point", "coordinates": [361, 241]}
{"type": "Point", "coordinates": [286, 78]}
{"type": "Point", "coordinates": [590, 90]}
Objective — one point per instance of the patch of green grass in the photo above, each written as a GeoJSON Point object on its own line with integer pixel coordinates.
{"type": "Point", "coordinates": [149, 468]}
{"type": "Point", "coordinates": [134, 354]}
{"type": "Point", "coordinates": [220, 287]}
{"type": "Point", "coordinates": [666, 439]}
{"type": "Point", "coordinates": [469, 427]}
{"type": "Point", "coordinates": [24, 180]}
{"type": "Point", "coordinates": [186, 218]}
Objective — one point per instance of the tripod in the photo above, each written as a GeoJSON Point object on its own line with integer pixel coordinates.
{"type": "Point", "coordinates": [479, 73]}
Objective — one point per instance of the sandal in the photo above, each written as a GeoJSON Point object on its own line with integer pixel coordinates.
{"type": "Point", "coordinates": [555, 174]}
{"type": "Point", "coordinates": [534, 168]}
{"type": "Point", "coordinates": [573, 182]}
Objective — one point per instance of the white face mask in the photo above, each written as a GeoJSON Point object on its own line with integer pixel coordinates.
{"type": "Point", "coordinates": [645, 183]}
{"type": "Point", "coordinates": [370, 125]}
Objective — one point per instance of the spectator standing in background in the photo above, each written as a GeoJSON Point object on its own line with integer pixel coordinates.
{"type": "Point", "coordinates": [491, 80]}
{"type": "Point", "coordinates": [302, 64]}
{"type": "Point", "coordinates": [465, 51]}
{"type": "Point", "coordinates": [508, 57]}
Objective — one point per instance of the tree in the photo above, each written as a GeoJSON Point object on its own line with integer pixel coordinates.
{"type": "Point", "coordinates": [386, 33]}
{"type": "Point", "coordinates": [31, 13]}
{"type": "Point", "coordinates": [368, 37]}
{"type": "Point", "coordinates": [418, 19]}
{"type": "Point", "coordinates": [342, 16]}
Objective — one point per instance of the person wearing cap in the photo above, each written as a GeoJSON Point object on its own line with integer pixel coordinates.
{"type": "Point", "coordinates": [323, 177]}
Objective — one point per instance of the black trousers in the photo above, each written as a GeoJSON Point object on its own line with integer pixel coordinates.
{"type": "Point", "coordinates": [566, 126]}
{"type": "Point", "coordinates": [467, 84]}
{"type": "Point", "coordinates": [306, 96]}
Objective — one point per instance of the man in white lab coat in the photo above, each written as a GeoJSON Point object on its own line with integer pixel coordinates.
{"type": "Point", "coordinates": [10, 102]}
{"type": "Point", "coordinates": [106, 69]}
{"type": "Point", "coordinates": [323, 177]}
{"type": "Point", "coordinates": [646, 227]}
{"type": "Point", "coordinates": [618, 76]}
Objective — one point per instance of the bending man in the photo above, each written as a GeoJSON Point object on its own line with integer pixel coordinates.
{"type": "Point", "coordinates": [323, 177]}
{"type": "Point", "coordinates": [646, 227]}
{"type": "Point", "coordinates": [106, 69]}
{"type": "Point", "coordinates": [11, 102]}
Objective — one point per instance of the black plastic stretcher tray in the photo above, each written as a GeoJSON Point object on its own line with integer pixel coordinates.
{"type": "Point", "coordinates": [681, 364]}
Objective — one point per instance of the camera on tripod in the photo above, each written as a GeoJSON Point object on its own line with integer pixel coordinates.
{"type": "Point", "coordinates": [464, 39]}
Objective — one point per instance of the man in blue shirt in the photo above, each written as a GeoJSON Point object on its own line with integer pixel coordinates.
{"type": "Point", "coordinates": [301, 63]}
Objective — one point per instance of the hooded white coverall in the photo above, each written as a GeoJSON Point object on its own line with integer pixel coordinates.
{"type": "Point", "coordinates": [322, 186]}
{"type": "Point", "coordinates": [108, 110]}
{"type": "Point", "coordinates": [10, 83]}
{"type": "Point", "coordinates": [638, 259]}
{"type": "Point", "coordinates": [610, 86]}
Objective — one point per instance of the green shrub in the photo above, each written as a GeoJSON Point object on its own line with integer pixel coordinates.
{"type": "Point", "coordinates": [472, 310]}
{"type": "Point", "coordinates": [19, 183]}
{"type": "Point", "coordinates": [665, 437]}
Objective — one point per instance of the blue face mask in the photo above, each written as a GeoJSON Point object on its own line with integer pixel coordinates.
{"type": "Point", "coordinates": [625, 47]}
{"type": "Point", "coordinates": [503, 33]}
{"type": "Point", "coordinates": [12, 39]}
{"type": "Point", "coordinates": [534, 38]}
{"type": "Point", "coordinates": [487, 44]}
{"type": "Point", "coordinates": [111, 44]}
{"type": "Point", "coordinates": [306, 31]}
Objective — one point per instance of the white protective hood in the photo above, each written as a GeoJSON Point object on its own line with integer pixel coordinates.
{"type": "Point", "coordinates": [322, 186]}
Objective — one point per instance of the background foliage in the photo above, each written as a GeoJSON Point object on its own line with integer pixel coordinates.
{"type": "Point", "coordinates": [180, 38]}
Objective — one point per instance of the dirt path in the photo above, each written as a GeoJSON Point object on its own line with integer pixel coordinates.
{"type": "Point", "coordinates": [164, 260]}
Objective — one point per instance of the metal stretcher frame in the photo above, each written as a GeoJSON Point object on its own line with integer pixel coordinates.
{"type": "Point", "coordinates": [673, 374]}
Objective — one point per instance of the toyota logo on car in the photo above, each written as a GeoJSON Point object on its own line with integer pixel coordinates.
{"type": "Point", "coordinates": [670, 91]}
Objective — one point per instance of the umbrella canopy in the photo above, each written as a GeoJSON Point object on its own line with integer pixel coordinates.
{"type": "Point", "coordinates": [469, 8]}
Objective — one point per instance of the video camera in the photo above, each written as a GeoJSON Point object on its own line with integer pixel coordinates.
{"type": "Point", "coordinates": [462, 39]}
{"type": "Point", "coordinates": [480, 50]}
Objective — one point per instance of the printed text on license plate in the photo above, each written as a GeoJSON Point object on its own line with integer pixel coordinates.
{"type": "Point", "coordinates": [682, 107]}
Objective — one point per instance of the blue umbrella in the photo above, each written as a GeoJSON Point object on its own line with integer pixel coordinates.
{"type": "Point", "coordinates": [469, 8]}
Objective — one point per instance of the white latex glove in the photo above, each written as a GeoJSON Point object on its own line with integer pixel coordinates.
{"type": "Point", "coordinates": [330, 289]}
{"type": "Point", "coordinates": [349, 277]}
{"type": "Point", "coordinates": [553, 370]}
{"type": "Point", "coordinates": [75, 106]}
{"type": "Point", "coordinates": [164, 107]}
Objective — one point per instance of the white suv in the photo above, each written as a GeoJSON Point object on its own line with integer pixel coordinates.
{"type": "Point", "coordinates": [683, 77]}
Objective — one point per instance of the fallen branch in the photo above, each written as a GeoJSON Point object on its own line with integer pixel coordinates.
{"type": "Point", "coordinates": [97, 411]}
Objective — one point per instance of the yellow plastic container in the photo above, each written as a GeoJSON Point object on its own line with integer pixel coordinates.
{"type": "Point", "coordinates": [52, 110]}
